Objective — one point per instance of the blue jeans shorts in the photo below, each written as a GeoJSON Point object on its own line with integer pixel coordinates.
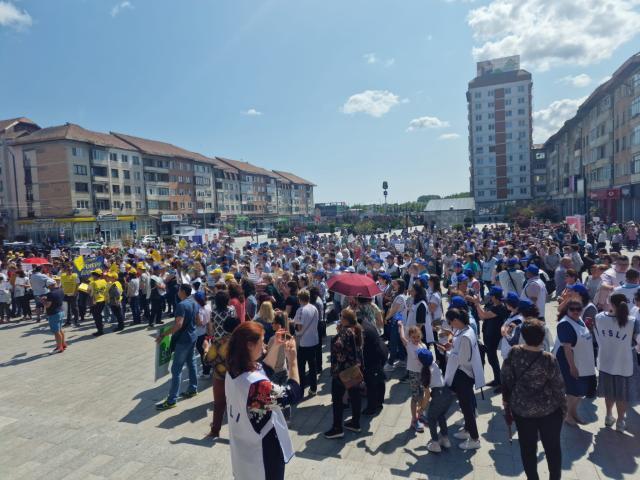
{"type": "Point", "coordinates": [55, 321]}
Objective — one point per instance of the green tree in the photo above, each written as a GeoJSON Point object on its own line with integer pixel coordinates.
{"type": "Point", "coordinates": [425, 198]}
{"type": "Point", "coordinates": [459, 195]}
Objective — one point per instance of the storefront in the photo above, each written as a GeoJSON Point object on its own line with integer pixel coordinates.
{"type": "Point", "coordinates": [604, 203]}
{"type": "Point", "coordinates": [73, 229]}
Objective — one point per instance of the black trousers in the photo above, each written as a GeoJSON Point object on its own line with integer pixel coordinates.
{"type": "Point", "coordinates": [72, 308]}
{"type": "Point", "coordinates": [491, 342]}
{"type": "Point", "coordinates": [144, 306]}
{"type": "Point", "coordinates": [156, 311]}
{"type": "Point", "coordinates": [307, 355]}
{"type": "Point", "coordinates": [117, 312]}
{"type": "Point", "coordinates": [462, 385]}
{"type": "Point", "coordinates": [548, 429]}
{"type": "Point", "coordinates": [96, 312]}
{"type": "Point", "coordinates": [374, 379]}
{"type": "Point", "coordinates": [355, 398]}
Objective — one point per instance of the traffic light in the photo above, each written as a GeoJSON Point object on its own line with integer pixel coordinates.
{"type": "Point", "coordinates": [385, 185]}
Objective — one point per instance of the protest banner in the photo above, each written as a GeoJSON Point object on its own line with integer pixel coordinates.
{"type": "Point", "coordinates": [55, 253]}
{"type": "Point", "coordinates": [163, 352]}
{"type": "Point", "coordinates": [88, 265]}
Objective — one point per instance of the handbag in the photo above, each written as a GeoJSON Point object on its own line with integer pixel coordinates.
{"type": "Point", "coordinates": [352, 377]}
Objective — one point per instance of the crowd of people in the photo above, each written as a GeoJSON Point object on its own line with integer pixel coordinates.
{"type": "Point", "coordinates": [445, 303]}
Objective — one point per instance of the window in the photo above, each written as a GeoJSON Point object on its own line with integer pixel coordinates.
{"type": "Point", "coordinates": [478, 118]}
{"type": "Point", "coordinates": [80, 169]}
{"type": "Point", "coordinates": [75, 151]}
{"type": "Point", "coordinates": [136, 175]}
{"type": "Point", "coordinates": [135, 160]}
{"type": "Point", "coordinates": [481, 193]}
{"type": "Point", "coordinates": [139, 205]}
{"type": "Point", "coordinates": [125, 158]}
{"type": "Point", "coordinates": [138, 190]}
{"type": "Point", "coordinates": [82, 187]}
{"type": "Point", "coordinates": [127, 189]}
{"type": "Point", "coordinates": [113, 157]}
{"type": "Point", "coordinates": [114, 173]}
{"type": "Point", "coordinates": [479, 150]}
{"type": "Point", "coordinates": [96, 154]}
{"type": "Point", "coordinates": [82, 204]}
{"type": "Point", "coordinates": [635, 162]}
{"type": "Point", "coordinates": [521, 111]}
{"type": "Point", "coordinates": [635, 136]}
{"type": "Point", "coordinates": [509, 113]}
{"type": "Point", "coordinates": [507, 101]}
{"type": "Point", "coordinates": [520, 88]}
{"type": "Point", "coordinates": [491, 115]}
{"type": "Point", "coordinates": [478, 128]}
{"type": "Point", "coordinates": [521, 100]}
{"type": "Point", "coordinates": [492, 126]}
{"type": "Point", "coordinates": [126, 174]}
{"type": "Point", "coordinates": [523, 190]}
{"type": "Point", "coordinates": [478, 106]}
{"type": "Point", "coordinates": [491, 104]}
{"type": "Point", "coordinates": [103, 204]}
{"type": "Point", "coordinates": [477, 95]}
{"type": "Point", "coordinates": [507, 90]}
{"type": "Point", "coordinates": [115, 189]}
{"type": "Point", "coordinates": [635, 107]}
{"type": "Point", "coordinates": [523, 168]}
{"type": "Point", "coordinates": [523, 179]}
{"type": "Point", "coordinates": [127, 204]}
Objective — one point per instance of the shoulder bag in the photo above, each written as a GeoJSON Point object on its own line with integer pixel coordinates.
{"type": "Point", "coordinates": [352, 377]}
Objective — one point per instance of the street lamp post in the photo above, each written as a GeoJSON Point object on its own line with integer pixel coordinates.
{"type": "Point", "coordinates": [385, 187]}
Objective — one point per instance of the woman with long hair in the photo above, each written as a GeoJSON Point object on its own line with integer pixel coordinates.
{"type": "Point", "coordinates": [265, 318]}
{"type": "Point", "coordinates": [615, 332]}
{"type": "Point", "coordinates": [236, 300]}
{"type": "Point", "coordinates": [259, 437]}
{"type": "Point", "coordinates": [574, 351]}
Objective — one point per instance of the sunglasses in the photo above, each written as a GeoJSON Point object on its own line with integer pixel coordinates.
{"type": "Point", "coordinates": [575, 309]}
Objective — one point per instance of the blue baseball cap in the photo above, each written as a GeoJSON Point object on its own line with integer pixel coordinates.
{"type": "Point", "coordinates": [457, 264]}
{"type": "Point", "coordinates": [386, 276]}
{"type": "Point", "coordinates": [512, 261]}
{"type": "Point", "coordinates": [199, 296]}
{"type": "Point", "coordinates": [425, 356]}
{"type": "Point", "coordinates": [533, 269]}
{"type": "Point", "coordinates": [512, 299]}
{"type": "Point", "coordinates": [457, 302]}
{"type": "Point", "coordinates": [525, 304]}
{"type": "Point", "coordinates": [468, 272]}
{"type": "Point", "coordinates": [462, 278]}
{"type": "Point", "coordinates": [579, 288]}
{"type": "Point", "coordinates": [496, 292]}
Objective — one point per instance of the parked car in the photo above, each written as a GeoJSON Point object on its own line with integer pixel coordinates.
{"type": "Point", "coordinates": [150, 240]}
{"type": "Point", "coordinates": [89, 245]}
{"type": "Point", "coordinates": [243, 233]}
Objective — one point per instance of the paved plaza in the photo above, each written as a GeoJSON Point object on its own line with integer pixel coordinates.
{"type": "Point", "coordinates": [89, 414]}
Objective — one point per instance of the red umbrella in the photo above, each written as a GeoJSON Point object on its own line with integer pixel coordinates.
{"type": "Point", "coordinates": [36, 261]}
{"type": "Point", "coordinates": [353, 285]}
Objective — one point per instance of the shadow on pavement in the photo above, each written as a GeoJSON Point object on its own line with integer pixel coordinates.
{"type": "Point", "coordinates": [194, 414]}
{"type": "Point", "coordinates": [442, 465]}
{"type": "Point", "coordinates": [200, 442]}
{"type": "Point", "coordinates": [624, 462]}
{"type": "Point", "coordinates": [145, 409]}
{"type": "Point", "coordinates": [20, 360]}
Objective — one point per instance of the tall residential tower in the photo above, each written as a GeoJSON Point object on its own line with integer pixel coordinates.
{"type": "Point", "coordinates": [500, 136]}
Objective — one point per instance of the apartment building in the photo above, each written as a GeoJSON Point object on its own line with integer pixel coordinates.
{"type": "Point", "coordinates": [593, 161]}
{"type": "Point", "coordinates": [73, 183]}
{"type": "Point", "coordinates": [538, 171]}
{"type": "Point", "coordinates": [499, 101]}
{"type": "Point", "coordinates": [300, 195]}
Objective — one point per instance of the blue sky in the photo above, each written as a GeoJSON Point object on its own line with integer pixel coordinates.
{"type": "Point", "coordinates": [326, 89]}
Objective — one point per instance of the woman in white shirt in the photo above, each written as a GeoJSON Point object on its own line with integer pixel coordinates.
{"type": "Point", "coordinates": [615, 332]}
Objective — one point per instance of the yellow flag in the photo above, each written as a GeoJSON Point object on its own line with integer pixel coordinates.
{"type": "Point", "coordinates": [156, 256]}
{"type": "Point", "coordinates": [182, 243]}
{"type": "Point", "coordinates": [79, 262]}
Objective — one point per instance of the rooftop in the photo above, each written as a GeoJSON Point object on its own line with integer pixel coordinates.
{"type": "Point", "coordinates": [4, 124]}
{"type": "Point", "coordinates": [70, 131]}
{"type": "Point", "coordinates": [446, 204]}
{"type": "Point", "coordinates": [247, 167]}
{"type": "Point", "coordinates": [499, 78]}
{"type": "Point", "coordinates": [294, 178]}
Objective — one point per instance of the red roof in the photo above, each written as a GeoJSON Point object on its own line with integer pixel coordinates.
{"type": "Point", "coordinates": [70, 131]}
{"type": "Point", "coordinates": [294, 178]}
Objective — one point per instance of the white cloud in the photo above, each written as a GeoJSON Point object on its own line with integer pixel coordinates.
{"type": "Point", "coordinates": [372, 102]}
{"type": "Point", "coordinates": [120, 7]}
{"type": "Point", "coordinates": [252, 112]}
{"type": "Point", "coordinates": [449, 136]}
{"type": "Point", "coordinates": [10, 16]}
{"type": "Point", "coordinates": [553, 32]}
{"type": "Point", "coordinates": [370, 58]}
{"type": "Point", "coordinates": [579, 81]}
{"type": "Point", "coordinates": [423, 123]}
{"type": "Point", "coordinates": [549, 120]}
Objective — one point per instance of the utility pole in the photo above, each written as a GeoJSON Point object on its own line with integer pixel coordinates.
{"type": "Point", "coordinates": [385, 187]}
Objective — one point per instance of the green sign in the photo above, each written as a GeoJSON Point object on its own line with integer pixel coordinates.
{"type": "Point", "coordinates": [163, 352]}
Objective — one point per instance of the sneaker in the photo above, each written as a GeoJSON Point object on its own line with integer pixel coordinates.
{"type": "Point", "coordinates": [334, 433]}
{"type": "Point", "coordinates": [462, 434]}
{"type": "Point", "coordinates": [444, 442]}
{"type": "Point", "coordinates": [434, 447]}
{"type": "Point", "coordinates": [417, 426]}
{"type": "Point", "coordinates": [470, 444]}
{"type": "Point", "coordinates": [165, 405]}
{"type": "Point", "coordinates": [389, 368]}
{"type": "Point", "coordinates": [620, 426]}
{"type": "Point", "coordinates": [187, 395]}
{"type": "Point", "coordinates": [312, 393]}
{"type": "Point", "coordinates": [350, 425]}
{"type": "Point", "coordinates": [609, 421]}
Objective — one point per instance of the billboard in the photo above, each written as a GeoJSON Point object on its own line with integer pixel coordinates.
{"type": "Point", "coordinates": [499, 65]}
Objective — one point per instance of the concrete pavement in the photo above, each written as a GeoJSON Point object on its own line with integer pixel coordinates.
{"type": "Point", "coordinates": [89, 414]}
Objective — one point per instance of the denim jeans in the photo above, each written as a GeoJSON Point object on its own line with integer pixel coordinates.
{"type": "Point", "coordinates": [134, 303]}
{"type": "Point", "coordinates": [441, 400]}
{"type": "Point", "coordinates": [183, 354]}
{"type": "Point", "coordinates": [396, 349]}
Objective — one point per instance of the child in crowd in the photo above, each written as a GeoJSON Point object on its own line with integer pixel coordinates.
{"type": "Point", "coordinates": [414, 369]}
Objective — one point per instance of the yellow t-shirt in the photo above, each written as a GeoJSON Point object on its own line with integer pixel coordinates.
{"type": "Point", "coordinates": [69, 283]}
{"type": "Point", "coordinates": [98, 290]}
